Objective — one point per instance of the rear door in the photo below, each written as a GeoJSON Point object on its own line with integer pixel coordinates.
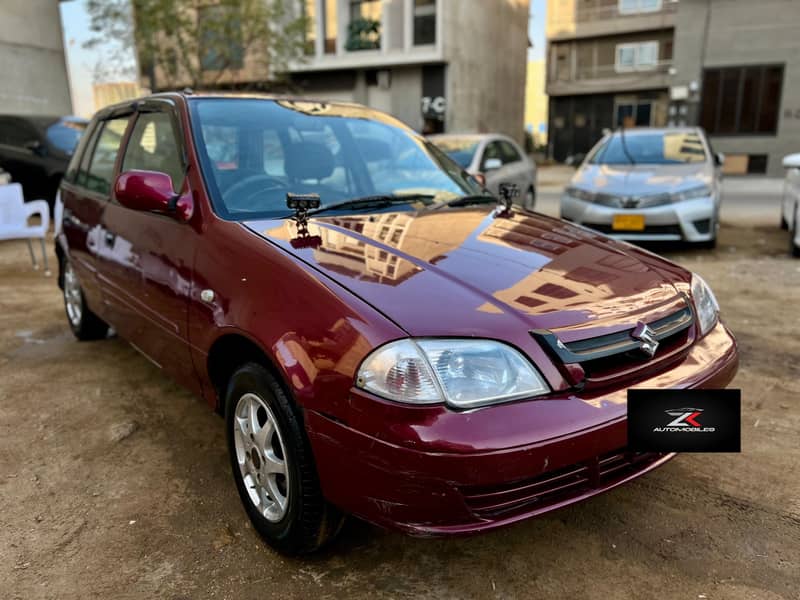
{"type": "Point", "coordinates": [149, 260]}
{"type": "Point", "coordinates": [85, 193]}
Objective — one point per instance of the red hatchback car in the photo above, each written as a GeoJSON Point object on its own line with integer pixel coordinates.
{"type": "Point", "coordinates": [409, 352]}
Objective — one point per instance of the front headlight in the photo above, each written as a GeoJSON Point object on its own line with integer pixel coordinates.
{"type": "Point", "coordinates": [580, 194]}
{"type": "Point", "coordinates": [705, 304]}
{"type": "Point", "coordinates": [702, 191]}
{"type": "Point", "coordinates": [463, 373]}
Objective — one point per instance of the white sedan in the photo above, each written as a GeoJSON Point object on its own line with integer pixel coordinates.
{"type": "Point", "coordinates": [648, 184]}
{"type": "Point", "coordinates": [790, 217]}
{"type": "Point", "coordinates": [496, 158]}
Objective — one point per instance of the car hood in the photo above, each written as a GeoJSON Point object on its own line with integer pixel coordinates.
{"type": "Point", "coordinates": [471, 272]}
{"type": "Point", "coordinates": [632, 180]}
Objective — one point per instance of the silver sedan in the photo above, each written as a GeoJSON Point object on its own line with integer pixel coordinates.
{"type": "Point", "coordinates": [496, 158]}
{"type": "Point", "coordinates": [648, 185]}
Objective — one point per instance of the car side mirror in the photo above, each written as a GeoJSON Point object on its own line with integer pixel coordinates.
{"type": "Point", "coordinates": [492, 164]}
{"type": "Point", "coordinates": [152, 191]}
{"type": "Point", "coordinates": [719, 159]}
{"type": "Point", "coordinates": [792, 161]}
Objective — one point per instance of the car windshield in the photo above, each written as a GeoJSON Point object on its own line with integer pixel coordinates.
{"type": "Point", "coordinates": [461, 150]}
{"type": "Point", "coordinates": [255, 151]}
{"type": "Point", "coordinates": [65, 134]}
{"type": "Point", "coordinates": [662, 148]}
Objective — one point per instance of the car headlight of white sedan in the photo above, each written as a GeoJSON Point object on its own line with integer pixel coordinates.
{"type": "Point", "coordinates": [462, 373]}
{"type": "Point", "coordinates": [705, 304]}
{"type": "Point", "coordinates": [702, 191]}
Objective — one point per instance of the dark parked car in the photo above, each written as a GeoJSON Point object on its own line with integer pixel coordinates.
{"type": "Point", "coordinates": [36, 150]}
{"type": "Point", "coordinates": [410, 352]}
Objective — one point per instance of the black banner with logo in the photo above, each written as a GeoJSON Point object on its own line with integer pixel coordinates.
{"type": "Point", "coordinates": [684, 420]}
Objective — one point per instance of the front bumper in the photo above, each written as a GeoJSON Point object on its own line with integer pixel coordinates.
{"type": "Point", "coordinates": [474, 471]}
{"type": "Point", "coordinates": [690, 220]}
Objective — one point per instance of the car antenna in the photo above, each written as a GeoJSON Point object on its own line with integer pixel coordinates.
{"type": "Point", "coordinates": [624, 144]}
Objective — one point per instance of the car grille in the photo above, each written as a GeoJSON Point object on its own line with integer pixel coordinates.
{"type": "Point", "coordinates": [632, 201]}
{"type": "Point", "coordinates": [648, 230]}
{"type": "Point", "coordinates": [553, 487]}
{"type": "Point", "coordinates": [617, 356]}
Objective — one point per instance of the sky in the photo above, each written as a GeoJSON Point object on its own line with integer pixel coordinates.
{"type": "Point", "coordinates": [81, 62]}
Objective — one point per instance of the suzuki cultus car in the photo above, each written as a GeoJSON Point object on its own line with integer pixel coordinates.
{"type": "Point", "coordinates": [383, 338]}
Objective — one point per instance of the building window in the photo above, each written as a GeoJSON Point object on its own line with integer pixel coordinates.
{"type": "Point", "coordinates": [629, 7]}
{"type": "Point", "coordinates": [633, 114]}
{"type": "Point", "coordinates": [220, 38]}
{"type": "Point", "coordinates": [330, 25]}
{"type": "Point", "coordinates": [364, 31]}
{"type": "Point", "coordinates": [741, 100]}
{"type": "Point", "coordinates": [424, 22]}
{"type": "Point", "coordinates": [310, 15]}
{"type": "Point", "coordinates": [640, 56]}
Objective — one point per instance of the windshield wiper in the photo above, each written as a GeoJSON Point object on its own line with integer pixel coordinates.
{"type": "Point", "coordinates": [468, 200]}
{"type": "Point", "coordinates": [374, 201]}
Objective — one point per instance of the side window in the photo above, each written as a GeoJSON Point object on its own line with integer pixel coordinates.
{"type": "Point", "coordinates": [491, 151]}
{"type": "Point", "coordinates": [82, 151]}
{"type": "Point", "coordinates": [154, 147]}
{"type": "Point", "coordinates": [101, 169]}
{"type": "Point", "coordinates": [509, 153]}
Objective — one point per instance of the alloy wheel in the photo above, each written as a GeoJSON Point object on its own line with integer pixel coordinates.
{"type": "Point", "coordinates": [72, 296]}
{"type": "Point", "coordinates": [261, 456]}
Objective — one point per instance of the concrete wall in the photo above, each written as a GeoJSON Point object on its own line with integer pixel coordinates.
{"type": "Point", "coordinates": [33, 73]}
{"type": "Point", "coordinates": [743, 32]}
{"type": "Point", "coordinates": [485, 46]}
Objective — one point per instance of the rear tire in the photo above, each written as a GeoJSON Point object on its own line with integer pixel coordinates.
{"type": "Point", "coordinates": [275, 472]}
{"type": "Point", "coordinates": [794, 249]}
{"type": "Point", "coordinates": [85, 325]}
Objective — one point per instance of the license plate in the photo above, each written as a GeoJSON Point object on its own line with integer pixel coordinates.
{"type": "Point", "coordinates": [628, 223]}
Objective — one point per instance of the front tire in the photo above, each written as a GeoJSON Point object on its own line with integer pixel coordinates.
{"type": "Point", "coordinates": [794, 234]}
{"type": "Point", "coordinates": [273, 465]}
{"type": "Point", "coordinates": [85, 325]}
{"type": "Point", "coordinates": [529, 203]}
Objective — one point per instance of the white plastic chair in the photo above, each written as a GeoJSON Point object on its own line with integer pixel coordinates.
{"type": "Point", "coordinates": [14, 215]}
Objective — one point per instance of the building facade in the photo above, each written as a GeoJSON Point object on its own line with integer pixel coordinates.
{"type": "Point", "coordinates": [34, 72]}
{"type": "Point", "coordinates": [730, 66]}
{"type": "Point", "coordinates": [433, 64]}
{"type": "Point", "coordinates": [536, 103]}
{"type": "Point", "coordinates": [437, 65]}
{"type": "Point", "coordinates": [609, 64]}
{"type": "Point", "coordinates": [737, 74]}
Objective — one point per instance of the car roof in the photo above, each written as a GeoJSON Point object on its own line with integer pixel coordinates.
{"type": "Point", "coordinates": [478, 137]}
{"type": "Point", "coordinates": [189, 95]}
{"type": "Point", "coordinates": [645, 130]}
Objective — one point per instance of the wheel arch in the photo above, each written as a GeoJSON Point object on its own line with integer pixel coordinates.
{"type": "Point", "coordinates": [230, 351]}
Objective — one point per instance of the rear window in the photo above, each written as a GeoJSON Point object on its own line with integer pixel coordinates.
{"type": "Point", "coordinates": [670, 148]}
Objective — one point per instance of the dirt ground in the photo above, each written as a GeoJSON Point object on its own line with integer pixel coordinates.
{"type": "Point", "coordinates": [114, 482]}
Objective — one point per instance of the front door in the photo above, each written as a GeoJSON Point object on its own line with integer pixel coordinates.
{"type": "Point", "coordinates": [150, 259]}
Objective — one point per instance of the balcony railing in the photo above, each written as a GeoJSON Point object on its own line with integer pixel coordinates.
{"type": "Point", "coordinates": [604, 72]}
{"type": "Point", "coordinates": [582, 17]}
